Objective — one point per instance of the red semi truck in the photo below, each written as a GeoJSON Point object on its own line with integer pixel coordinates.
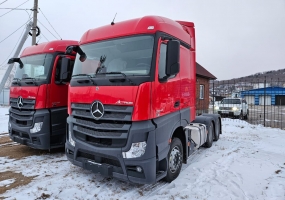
{"type": "Point", "coordinates": [131, 101]}
{"type": "Point", "coordinates": [38, 95]}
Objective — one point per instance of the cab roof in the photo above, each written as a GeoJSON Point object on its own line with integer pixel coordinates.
{"type": "Point", "coordinates": [144, 25]}
{"type": "Point", "coordinates": [48, 47]}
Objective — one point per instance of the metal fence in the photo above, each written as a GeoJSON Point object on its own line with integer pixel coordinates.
{"type": "Point", "coordinates": [265, 98]}
{"type": "Point", "coordinates": [4, 97]}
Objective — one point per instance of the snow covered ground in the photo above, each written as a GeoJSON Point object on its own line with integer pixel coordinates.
{"type": "Point", "coordinates": [248, 162]}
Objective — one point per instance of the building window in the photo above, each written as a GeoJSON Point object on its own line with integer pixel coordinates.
{"type": "Point", "coordinates": [202, 91]}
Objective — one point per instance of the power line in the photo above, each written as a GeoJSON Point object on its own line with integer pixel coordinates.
{"type": "Point", "coordinates": [3, 2]}
{"type": "Point", "coordinates": [12, 49]}
{"type": "Point", "coordinates": [14, 46]}
{"type": "Point", "coordinates": [47, 29]}
{"type": "Point", "coordinates": [14, 32]}
{"type": "Point", "coordinates": [49, 23]}
{"type": "Point", "coordinates": [44, 37]}
{"type": "Point", "coordinates": [13, 9]}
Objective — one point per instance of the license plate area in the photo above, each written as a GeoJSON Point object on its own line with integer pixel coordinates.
{"type": "Point", "coordinates": [103, 169]}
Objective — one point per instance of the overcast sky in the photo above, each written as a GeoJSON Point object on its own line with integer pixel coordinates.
{"type": "Point", "coordinates": [234, 38]}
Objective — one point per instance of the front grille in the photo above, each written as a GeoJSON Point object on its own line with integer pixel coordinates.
{"type": "Point", "coordinates": [22, 116]}
{"type": "Point", "coordinates": [22, 135]}
{"type": "Point", "coordinates": [109, 131]}
{"type": "Point", "coordinates": [225, 108]}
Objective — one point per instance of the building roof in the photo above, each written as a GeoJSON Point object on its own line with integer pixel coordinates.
{"type": "Point", "coordinates": [202, 72]}
{"type": "Point", "coordinates": [268, 90]}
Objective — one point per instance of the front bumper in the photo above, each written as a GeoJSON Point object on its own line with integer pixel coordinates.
{"type": "Point", "coordinates": [109, 161]}
{"type": "Point", "coordinates": [22, 135]}
{"type": "Point", "coordinates": [229, 113]}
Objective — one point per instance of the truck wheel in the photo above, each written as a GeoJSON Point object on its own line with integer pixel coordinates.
{"type": "Point", "coordinates": [175, 156]}
{"type": "Point", "coordinates": [210, 134]}
{"type": "Point", "coordinates": [241, 117]}
{"type": "Point", "coordinates": [246, 116]}
{"type": "Point", "coordinates": [217, 132]}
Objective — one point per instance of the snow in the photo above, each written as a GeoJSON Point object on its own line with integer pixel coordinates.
{"type": "Point", "coordinates": [248, 162]}
{"type": "Point", "coordinates": [7, 182]}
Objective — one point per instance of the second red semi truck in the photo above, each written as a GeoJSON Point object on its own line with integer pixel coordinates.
{"type": "Point", "coordinates": [38, 95]}
{"type": "Point", "coordinates": [131, 100]}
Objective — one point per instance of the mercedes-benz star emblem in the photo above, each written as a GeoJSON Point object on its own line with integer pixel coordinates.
{"type": "Point", "coordinates": [20, 102]}
{"type": "Point", "coordinates": [97, 110]}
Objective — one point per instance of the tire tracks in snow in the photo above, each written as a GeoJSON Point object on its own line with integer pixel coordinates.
{"type": "Point", "coordinates": [146, 191]}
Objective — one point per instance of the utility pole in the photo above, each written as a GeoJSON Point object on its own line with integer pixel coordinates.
{"type": "Point", "coordinates": [34, 29]}
{"type": "Point", "coordinates": [20, 46]}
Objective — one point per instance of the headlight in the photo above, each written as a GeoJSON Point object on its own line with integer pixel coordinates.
{"type": "Point", "coordinates": [217, 107]}
{"type": "Point", "coordinates": [136, 150]}
{"type": "Point", "coordinates": [37, 127]}
{"type": "Point", "coordinates": [9, 125]}
{"type": "Point", "coordinates": [70, 139]}
{"type": "Point", "coordinates": [234, 108]}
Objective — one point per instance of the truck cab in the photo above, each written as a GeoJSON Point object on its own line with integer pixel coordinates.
{"type": "Point", "coordinates": [38, 95]}
{"type": "Point", "coordinates": [132, 98]}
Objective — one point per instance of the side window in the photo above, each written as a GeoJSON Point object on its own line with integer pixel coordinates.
{"type": "Point", "coordinates": [162, 61]}
{"type": "Point", "coordinates": [201, 91]}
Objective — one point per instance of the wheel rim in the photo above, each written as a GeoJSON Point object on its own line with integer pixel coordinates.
{"type": "Point", "coordinates": [175, 159]}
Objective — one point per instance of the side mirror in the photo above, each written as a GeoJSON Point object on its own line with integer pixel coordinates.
{"type": "Point", "coordinates": [78, 50]}
{"type": "Point", "coordinates": [18, 60]}
{"type": "Point", "coordinates": [69, 50]}
{"type": "Point", "coordinates": [64, 70]}
{"type": "Point", "coordinates": [172, 57]}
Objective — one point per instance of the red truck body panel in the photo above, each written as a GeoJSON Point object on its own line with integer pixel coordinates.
{"type": "Point", "coordinates": [144, 25]}
{"type": "Point", "coordinates": [48, 47]}
{"type": "Point", "coordinates": [37, 93]}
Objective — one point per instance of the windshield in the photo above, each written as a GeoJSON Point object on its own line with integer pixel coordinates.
{"type": "Point", "coordinates": [230, 101]}
{"type": "Point", "coordinates": [37, 66]}
{"type": "Point", "coordinates": [131, 56]}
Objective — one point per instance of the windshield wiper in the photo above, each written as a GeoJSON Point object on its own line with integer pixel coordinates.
{"type": "Point", "coordinates": [33, 80]}
{"type": "Point", "coordinates": [125, 76]}
{"type": "Point", "coordinates": [89, 76]}
{"type": "Point", "coordinates": [17, 81]}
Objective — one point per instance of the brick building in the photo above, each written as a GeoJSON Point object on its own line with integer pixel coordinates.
{"type": "Point", "coordinates": [203, 78]}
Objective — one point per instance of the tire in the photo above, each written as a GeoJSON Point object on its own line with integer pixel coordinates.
{"type": "Point", "coordinates": [175, 159]}
{"type": "Point", "coordinates": [217, 132]}
{"type": "Point", "coordinates": [246, 116]}
{"type": "Point", "coordinates": [241, 117]}
{"type": "Point", "coordinates": [210, 135]}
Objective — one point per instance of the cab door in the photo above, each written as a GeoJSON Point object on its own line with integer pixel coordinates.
{"type": "Point", "coordinates": [166, 92]}
{"type": "Point", "coordinates": [57, 101]}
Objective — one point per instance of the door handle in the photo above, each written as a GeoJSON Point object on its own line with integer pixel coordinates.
{"type": "Point", "coordinates": [176, 104]}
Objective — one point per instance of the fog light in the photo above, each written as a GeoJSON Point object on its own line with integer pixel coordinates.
{"type": "Point", "coordinates": [37, 127]}
{"type": "Point", "coordinates": [67, 151]}
{"type": "Point", "coordinates": [136, 150]}
{"type": "Point", "coordinates": [139, 169]}
{"type": "Point", "coordinates": [70, 139]}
